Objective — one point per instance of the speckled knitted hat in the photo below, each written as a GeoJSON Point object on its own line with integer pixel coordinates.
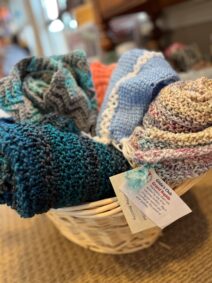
{"type": "Point", "coordinates": [176, 137]}
{"type": "Point", "coordinates": [58, 84]}
{"type": "Point", "coordinates": [101, 75]}
{"type": "Point", "coordinates": [137, 79]}
{"type": "Point", "coordinates": [46, 165]}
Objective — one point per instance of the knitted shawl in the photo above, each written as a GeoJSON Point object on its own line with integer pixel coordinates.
{"type": "Point", "coordinates": [176, 136]}
{"type": "Point", "coordinates": [48, 165]}
{"type": "Point", "coordinates": [137, 79]}
{"type": "Point", "coordinates": [58, 84]}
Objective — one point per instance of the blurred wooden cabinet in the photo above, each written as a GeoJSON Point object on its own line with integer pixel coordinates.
{"type": "Point", "coordinates": [105, 10]}
{"type": "Point", "coordinates": [109, 5]}
{"type": "Point", "coordinates": [115, 7]}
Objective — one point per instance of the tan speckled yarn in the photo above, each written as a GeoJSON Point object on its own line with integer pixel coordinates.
{"type": "Point", "coordinates": [152, 137]}
{"type": "Point", "coordinates": [176, 135]}
{"type": "Point", "coordinates": [182, 107]}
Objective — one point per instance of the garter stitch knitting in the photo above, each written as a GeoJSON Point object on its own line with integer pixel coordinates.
{"type": "Point", "coordinates": [176, 136]}
{"type": "Point", "coordinates": [59, 84]}
{"type": "Point", "coordinates": [137, 79]}
{"type": "Point", "coordinates": [44, 166]}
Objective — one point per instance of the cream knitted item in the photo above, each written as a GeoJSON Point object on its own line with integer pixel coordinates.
{"type": "Point", "coordinates": [176, 136]}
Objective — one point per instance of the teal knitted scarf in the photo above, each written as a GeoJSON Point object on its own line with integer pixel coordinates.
{"type": "Point", "coordinates": [49, 165]}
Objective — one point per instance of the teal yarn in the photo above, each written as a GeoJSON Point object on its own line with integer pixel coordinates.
{"type": "Point", "coordinates": [47, 166]}
{"type": "Point", "coordinates": [58, 84]}
{"type": "Point", "coordinates": [62, 123]}
{"type": "Point", "coordinates": [136, 179]}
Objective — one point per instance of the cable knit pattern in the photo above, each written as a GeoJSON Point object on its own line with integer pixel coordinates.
{"type": "Point", "coordinates": [59, 84]}
{"type": "Point", "coordinates": [176, 136]}
{"type": "Point", "coordinates": [44, 166]}
{"type": "Point", "coordinates": [101, 75]}
{"type": "Point", "coordinates": [137, 79]}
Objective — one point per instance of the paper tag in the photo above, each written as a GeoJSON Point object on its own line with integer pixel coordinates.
{"type": "Point", "coordinates": [136, 220]}
{"type": "Point", "coordinates": [154, 198]}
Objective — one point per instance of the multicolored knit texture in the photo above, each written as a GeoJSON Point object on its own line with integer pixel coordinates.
{"type": "Point", "coordinates": [176, 136]}
{"type": "Point", "coordinates": [58, 84]}
{"type": "Point", "coordinates": [137, 79]}
{"type": "Point", "coordinates": [101, 75]}
{"type": "Point", "coordinates": [48, 165]}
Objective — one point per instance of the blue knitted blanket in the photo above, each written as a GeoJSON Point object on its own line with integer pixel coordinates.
{"type": "Point", "coordinates": [49, 165]}
{"type": "Point", "coordinates": [137, 79]}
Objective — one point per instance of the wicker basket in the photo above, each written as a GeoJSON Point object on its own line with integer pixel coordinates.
{"type": "Point", "coordinates": [101, 226]}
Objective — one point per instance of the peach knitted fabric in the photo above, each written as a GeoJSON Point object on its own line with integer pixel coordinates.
{"type": "Point", "coordinates": [101, 75]}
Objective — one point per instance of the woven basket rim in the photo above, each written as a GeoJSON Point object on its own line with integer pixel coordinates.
{"type": "Point", "coordinates": [110, 206]}
{"type": "Point", "coordinates": [101, 226]}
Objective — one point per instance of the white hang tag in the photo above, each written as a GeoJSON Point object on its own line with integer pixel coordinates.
{"type": "Point", "coordinates": [135, 218]}
{"type": "Point", "coordinates": [151, 195]}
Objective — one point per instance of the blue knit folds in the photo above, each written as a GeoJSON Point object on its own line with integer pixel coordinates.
{"type": "Point", "coordinates": [134, 92]}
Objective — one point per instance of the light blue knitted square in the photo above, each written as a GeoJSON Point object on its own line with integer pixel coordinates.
{"type": "Point", "coordinates": [137, 79]}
